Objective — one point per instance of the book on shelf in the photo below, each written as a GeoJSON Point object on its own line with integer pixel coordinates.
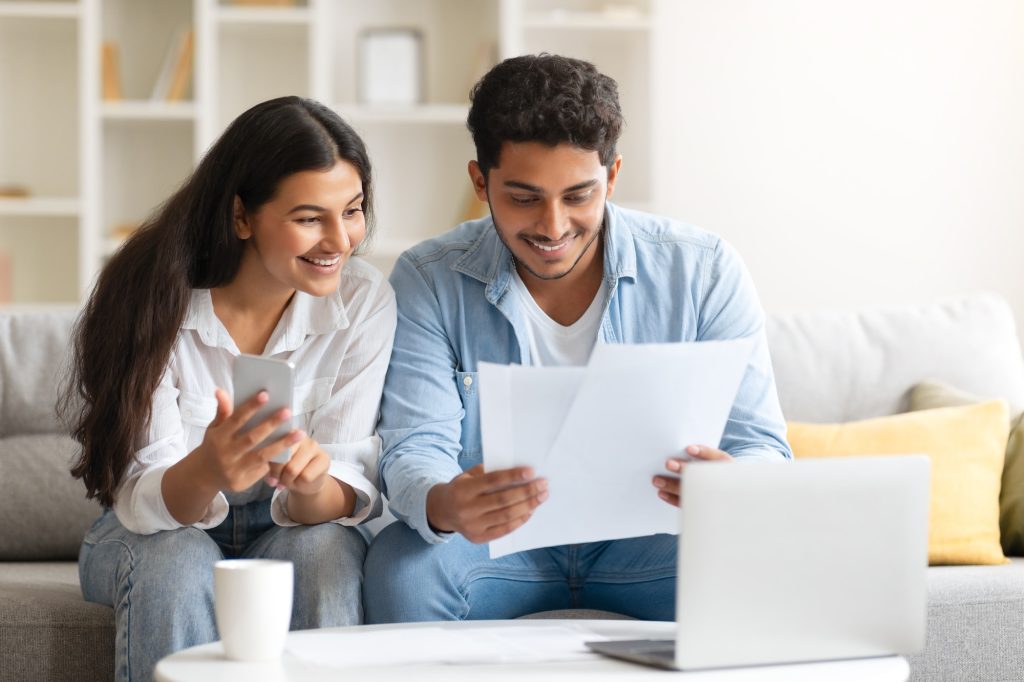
{"type": "Point", "coordinates": [176, 71]}
{"type": "Point", "coordinates": [111, 71]}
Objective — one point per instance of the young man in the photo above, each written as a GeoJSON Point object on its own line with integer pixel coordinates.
{"type": "Point", "coordinates": [555, 270]}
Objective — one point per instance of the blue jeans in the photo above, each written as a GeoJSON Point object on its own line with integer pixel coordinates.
{"type": "Point", "coordinates": [161, 585]}
{"type": "Point", "coordinates": [409, 579]}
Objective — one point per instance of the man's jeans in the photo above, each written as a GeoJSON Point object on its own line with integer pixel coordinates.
{"type": "Point", "coordinates": [408, 579]}
{"type": "Point", "coordinates": [161, 585]}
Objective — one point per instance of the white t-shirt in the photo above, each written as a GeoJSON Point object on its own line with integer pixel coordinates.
{"type": "Point", "coordinates": [340, 345]}
{"type": "Point", "coordinates": [556, 345]}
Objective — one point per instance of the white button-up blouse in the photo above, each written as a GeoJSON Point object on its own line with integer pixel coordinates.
{"type": "Point", "coordinates": [340, 345]}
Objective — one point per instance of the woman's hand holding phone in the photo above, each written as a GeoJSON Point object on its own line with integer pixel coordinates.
{"type": "Point", "coordinates": [229, 458]}
{"type": "Point", "coordinates": [305, 473]}
{"type": "Point", "coordinates": [232, 457]}
{"type": "Point", "coordinates": [314, 495]}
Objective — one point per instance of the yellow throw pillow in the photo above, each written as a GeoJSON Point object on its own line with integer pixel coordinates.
{"type": "Point", "coordinates": [966, 447]}
{"type": "Point", "coordinates": [928, 395]}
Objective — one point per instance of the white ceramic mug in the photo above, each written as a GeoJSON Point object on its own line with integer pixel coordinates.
{"type": "Point", "coordinates": [253, 606]}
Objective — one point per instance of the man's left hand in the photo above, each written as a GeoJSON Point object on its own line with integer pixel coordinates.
{"type": "Point", "coordinates": [668, 486]}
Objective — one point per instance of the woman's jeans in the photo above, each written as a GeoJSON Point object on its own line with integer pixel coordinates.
{"type": "Point", "coordinates": [161, 585]}
{"type": "Point", "coordinates": [408, 579]}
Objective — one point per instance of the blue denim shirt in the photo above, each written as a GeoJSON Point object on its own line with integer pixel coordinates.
{"type": "Point", "coordinates": [666, 282]}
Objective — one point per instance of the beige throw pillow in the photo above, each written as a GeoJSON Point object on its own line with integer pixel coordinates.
{"type": "Point", "coordinates": [932, 394]}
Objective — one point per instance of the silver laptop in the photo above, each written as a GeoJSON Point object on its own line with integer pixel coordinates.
{"type": "Point", "coordinates": [813, 560]}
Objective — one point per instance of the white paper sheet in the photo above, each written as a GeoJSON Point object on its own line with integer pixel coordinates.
{"type": "Point", "coordinates": [507, 644]}
{"type": "Point", "coordinates": [599, 434]}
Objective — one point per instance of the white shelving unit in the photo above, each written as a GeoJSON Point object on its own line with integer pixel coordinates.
{"type": "Point", "coordinates": [92, 165]}
{"type": "Point", "coordinates": [41, 148]}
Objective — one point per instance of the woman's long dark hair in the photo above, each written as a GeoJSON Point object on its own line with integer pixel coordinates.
{"type": "Point", "coordinates": [123, 338]}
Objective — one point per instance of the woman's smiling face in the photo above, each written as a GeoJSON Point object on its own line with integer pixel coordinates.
{"type": "Point", "coordinates": [303, 236]}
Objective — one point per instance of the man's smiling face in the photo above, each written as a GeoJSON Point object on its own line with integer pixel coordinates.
{"type": "Point", "coordinates": [548, 205]}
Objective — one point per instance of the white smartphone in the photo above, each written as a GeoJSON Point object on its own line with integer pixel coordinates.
{"type": "Point", "coordinates": [252, 374]}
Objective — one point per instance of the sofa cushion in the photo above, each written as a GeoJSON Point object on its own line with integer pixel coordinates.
{"type": "Point", "coordinates": [975, 621]}
{"type": "Point", "coordinates": [931, 394]}
{"type": "Point", "coordinates": [43, 510]}
{"type": "Point", "coordinates": [33, 354]}
{"type": "Point", "coordinates": [965, 446]}
{"type": "Point", "coordinates": [48, 631]}
{"type": "Point", "coordinates": [844, 366]}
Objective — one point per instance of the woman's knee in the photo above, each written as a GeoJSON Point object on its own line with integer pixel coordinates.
{"type": "Point", "coordinates": [183, 558]}
{"type": "Point", "coordinates": [328, 564]}
{"type": "Point", "coordinates": [176, 561]}
{"type": "Point", "coordinates": [325, 546]}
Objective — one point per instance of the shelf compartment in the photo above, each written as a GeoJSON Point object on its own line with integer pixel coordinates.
{"type": "Point", "coordinates": [39, 125]}
{"type": "Point", "coordinates": [426, 113]}
{"type": "Point", "coordinates": [40, 206]}
{"type": "Point", "coordinates": [148, 110]}
{"type": "Point", "coordinates": [145, 35]}
{"type": "Point", "coordinates": [257, 63]}
{"type": "Point", "coordinates": [586, 21]}
{"type": "Point", "coordinates": [143, 165]}
{"type": "Point", "coordinates": [263, 15]}
{"type": "Point", "coordinates": [40, 10]}
{"type": "Point", "coordinates": [43, 254]}
{"type": "Point", "coordinates": [459, 43]}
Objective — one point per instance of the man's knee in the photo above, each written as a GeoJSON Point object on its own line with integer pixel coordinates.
{"type": "Point", "coordinates": [406, 578]}
{"type": "Point", "coordinates": [399, 554]}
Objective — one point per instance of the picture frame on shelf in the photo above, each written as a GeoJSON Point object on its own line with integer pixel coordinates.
{"type": "Point", "coordinates": [391, 66]}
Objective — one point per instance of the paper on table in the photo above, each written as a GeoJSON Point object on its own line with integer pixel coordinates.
{"type": "Point", "coordinates": [509, 644]}
{"type": "Point", "coordinates": [599, 434]}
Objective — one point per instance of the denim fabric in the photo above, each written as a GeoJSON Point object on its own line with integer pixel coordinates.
{"type": "Point", "coordinates": [408, 579]}
{"type": "Point", "coordinates": [666, 281]}
{"type": "Point", "coordinates": [161, 585]}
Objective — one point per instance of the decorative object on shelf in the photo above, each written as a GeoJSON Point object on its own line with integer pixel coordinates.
{"type": "Point", "coordinates": [122, 231]}
{"type": "Point", "coordinates": [14, 191]}
{"type": "Point", "coordinates": [6, 271]}
{"type": "Point", "coordinates": [111, 72]}
{"type": "Point", "coordinates": [176, 71]}
{"type": "Point", "coordinates": [391, 66]}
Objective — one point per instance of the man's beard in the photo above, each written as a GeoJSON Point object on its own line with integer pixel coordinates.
{"type": "Point", "coordinates": [583, 252]}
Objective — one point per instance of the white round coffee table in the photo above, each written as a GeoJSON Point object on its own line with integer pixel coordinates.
{"type": "Point", "coordinates": [320, 655]}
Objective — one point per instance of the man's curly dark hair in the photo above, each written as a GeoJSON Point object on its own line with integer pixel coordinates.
{"type": "Point", "coordinates": [544, 98]}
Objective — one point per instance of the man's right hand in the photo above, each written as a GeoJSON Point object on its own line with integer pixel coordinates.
{"type": "Point", "coordinates": [485, 506]}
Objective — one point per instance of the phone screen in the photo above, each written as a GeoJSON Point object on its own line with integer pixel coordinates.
{"type": "Point", "coordinates": [253, 374]}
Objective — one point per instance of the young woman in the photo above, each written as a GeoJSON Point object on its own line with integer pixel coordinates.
{"type": "Point", "coordinates": [251, 255]}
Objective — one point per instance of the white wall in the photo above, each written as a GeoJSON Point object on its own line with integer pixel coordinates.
{"type": "Point", "coordinates": [855, 151]}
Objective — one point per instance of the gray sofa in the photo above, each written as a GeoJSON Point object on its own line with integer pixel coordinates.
{"type": "Point", "coordinates": [831, 366]}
